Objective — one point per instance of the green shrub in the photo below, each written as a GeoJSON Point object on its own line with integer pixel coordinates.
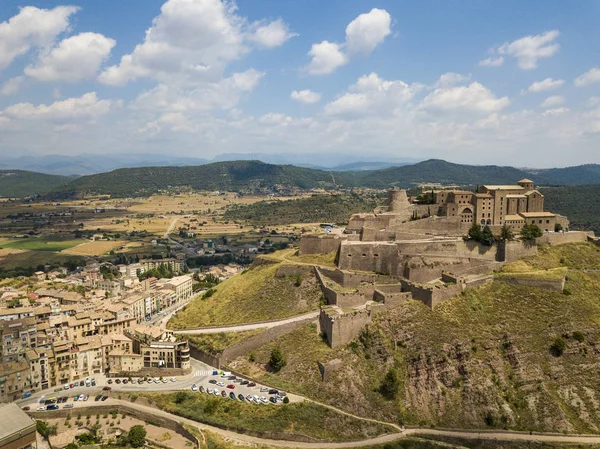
{"type": "Point", "coordinates": [578, 335]}
{"type": "Point", "coordinates": [558, 346]}
{"type": "Point", "coordinates": [277, 360]}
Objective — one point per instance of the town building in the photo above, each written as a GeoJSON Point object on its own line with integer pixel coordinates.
{"type": "Point", "coordinates": [17, 430]}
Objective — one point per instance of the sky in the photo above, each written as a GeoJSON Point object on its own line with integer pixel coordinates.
{"type": "Point", "coordinates": [508, 83]}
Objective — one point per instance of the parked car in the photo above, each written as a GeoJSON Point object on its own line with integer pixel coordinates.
{"type": "Point", "coordinates": [59, 400]}
{"type": "Point", "coordinates": [52, 407]}
{"type": "Point", "coordinates": [220, 384]}
{"type": "Point", "coordinates": [241, 397]}
{"type": "Point", "coordinates": [201, 389]}
{"type": "Point", "coordinates": [250, 398]}
{"type": "Point", "coordinates": [212, 381]}
{"type": "Point", "coordinates": [97, 398]}
{"type": "Point", "coordinates": [264, 389]}
{"type": "Point", "coordinates": [75, 398]}
{"type": "Point", "coordinates": [173, 379]}
{"type": "Point", "coordinates": [231, 378]}
{"type": "Point", "coordinates": [209, 390]}
{"type": "Point", "coordinates": [224, 393]}
{"type": "Point", "coordinates": [76, 383]}
{"type": "Point", "coordinates": [42, 399]}
{"type": "Point", "coordinates": [273, 391]}
{"type": "Point", "coordinates": [282, 394]}
{"type": "Point", "coordinates": [26, 408]}
{"type": "Point", "coordinates": [273, 399]}
{"type": "Point", "coordinates": [65, 399]}
{"type": "Point", "coordinates": [104, 398]}
{"type": "Point", "coordinates": [140, 381]}
{"type": "Point", "coordinates": [164, 381]}
{"type": "Point", "coordinates": [231, 386]}
{"type": "Point", "coordinates": [41, 409]}
{"type": "Point", "coordinates": [68, 406]}
{"type": "Point", "coordinates": [110, 381]}
{"type": "Point", "coordinates": [26, 395]}
{"type": "Point", "coordinates": [107, 388]}
{"type": "Point", "coordinates": [67, 387]}
{"type": "Point", "coordinates": [232, 395]}
{"type": "Point", "coordinates": [72, 385]}
{"type": "Point", "coordinates": [216, 392]}
{"type": "Point", "coordinates": [194, 387]}
{"type": "Point", "coordinates": [118, 381]}
{"type": "Point", "coordinates": [125, 381]}
{"type": "Point", "coordinates": [93, 382]}
{"type": "Point", "coordinates": [263, 399]}
{"type": "Point", "coordinates": [244, 382]}
{"type": "Point", "coordinates": [252, 384]}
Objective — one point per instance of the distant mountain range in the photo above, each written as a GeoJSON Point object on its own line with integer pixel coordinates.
{"type": "Point", "coordinates": [256, 176]}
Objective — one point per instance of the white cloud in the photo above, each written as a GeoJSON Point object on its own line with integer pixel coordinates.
{"type": "Point", "coordinates": [545, 85]}
{"type": "Point", "coordinates": [372, 95]}
{"type": "Point", "coordinates": [492, 61]}
{"type": "Point", "coordinates": [272, 35]}
{"type": "Point", "coordinates": [275, 119]}
{"type": "Point", "coordinates": [86, 106]}
{"type": "Point", "coordinates": [224, 94]}
{"type": "Point", "coordinates": [530, 49]}
{"type": "Point", "coordinates": [32, 28]}
{"type": "Point", "coordinates": [363, 34]}
{"type": "Point", "coordinates": [593, 102]}
{"type": "Point", "coordinates": [305, 96]}
{"type": "Point", "coordinates": [589, 77]}
{"type": "Point", "coordinates": [553, 100]}
{"type": "Point", "coordinates": [473, 98]}
{"type": "Point", "coordinates": [555, 112]}
{"type": "Point", "coordinates": [326, 57]}
{"type": "Point", "coordinates": [451, 79]}
{"type": "Point", "coordinates": [193, 42]}
{"type": "Point", "coordinates": [11, 86]}
{"type": "Point", "coordinates": [74, 59]}
{"type": "Point", "coordinates": [367, 31]}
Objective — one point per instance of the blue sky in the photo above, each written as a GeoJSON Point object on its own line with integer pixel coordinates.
{"type": "Point", "coordinates": [512, 83]}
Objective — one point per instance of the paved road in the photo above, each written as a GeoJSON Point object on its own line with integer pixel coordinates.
{"type": "Point", "coordinates": [247, 439]}
{"type": "Point", "coordinates": [249, 327]}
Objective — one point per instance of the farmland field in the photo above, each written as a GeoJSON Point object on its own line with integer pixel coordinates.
{"type": "Point", "coordinates": [97, 248]}
{"type": "Point", "coordinates": [41, 244]}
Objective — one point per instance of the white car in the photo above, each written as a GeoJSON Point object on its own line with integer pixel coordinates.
{"type": "Point", "coordinates": [264, 389]}
{"type": "Point", "coordinates": [220, 384]}
{"type": "Point", "coordinates": [250, 398]}
{"type": "Point", "coordinates": [41, 409]}
{"type": "Point", "coordinates": [209, 390]}
{"type": "Point", "coordinates": [194, 387]}
{"type": "Point", "coordinates": [256, 399]}
{"type": "Point", "coordinates": [164, 381]}
{"type": "Point", "coordinates": [66, 386]}
{"type": "Point", "coordinates": [150, 381]}
{"type": "Point", "coordinates": [173, 379]}
{"type": "Point", "coordinates": [216, 392]}
{"type": "Point", "coordinates": [264, 400]}
{"type": "Point", "coordinates": [81, 396]}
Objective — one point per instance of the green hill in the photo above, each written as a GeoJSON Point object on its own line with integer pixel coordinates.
{"type": "Point", "coordinates": [486, 358]}
{"type": "Point", "coordinates": [581, 174]}
{"type": "Point", "coordinates": [580, 203]}
{"type": "Point", "coordinates": [239, 176]}
{"type": "Point", "coordinates": [21, 183]}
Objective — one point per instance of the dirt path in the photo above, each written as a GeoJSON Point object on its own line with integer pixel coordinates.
{"type": "Point", "coordinates": [171, 227]}
{"type": "Point", "coordinates": [251, 326]}
{"type": "Point", "coordinates": [466, 434]}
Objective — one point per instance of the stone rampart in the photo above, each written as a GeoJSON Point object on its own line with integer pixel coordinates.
{"type": "Point", "coordinates": [558, 238]}
{"type": "Point", "coordinates": [514, 250]}
{"type": "Point", "coordinates": [354, 298]}
{"type": "Point", "coordinates": [351, 279]}
{"type": "Point", "coordinates": [320, 244]}
{"type": "Point", "coordinates": [435, 226]}
{"type": "Point", "coordinates": [342, 328]}
{"type": "Point", "coordinates": [432, 295]}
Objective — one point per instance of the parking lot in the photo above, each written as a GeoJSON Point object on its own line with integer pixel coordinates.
{"type": "Point", "coordinates": [203, 380]}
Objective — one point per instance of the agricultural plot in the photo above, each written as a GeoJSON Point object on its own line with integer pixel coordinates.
{"type": "Point", "coordinates": [41, 244]}
{"type": "Point", "coordinates": [97, 248]}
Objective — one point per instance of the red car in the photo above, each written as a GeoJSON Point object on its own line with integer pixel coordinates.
{"type": "Point", "coordinates": [231, 386]}
{"type": "Point", "coordinates": [252, 384]}
{"type": "Point", "coordinates": [107, 388]}
{"type": "Point", "coordinates": [26, 408]}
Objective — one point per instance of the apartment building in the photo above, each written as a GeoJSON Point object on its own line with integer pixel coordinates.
{"type": "Point", "coordinates": [159, 348]}
{"type": "Point", "coordinates": [17, 337]}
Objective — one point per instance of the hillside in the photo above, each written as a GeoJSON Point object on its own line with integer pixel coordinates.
{"type": "Point", "coordinates": [483, 359]}
{"type": "Point", "coordinates": [258, 177]}
{"type": "Point", "coordinates": [318, 208]}
{"type": "Point", "coordinates": [580, 203]}
{"type": "Point", "coordinates": [21, 183]}
{"type": "Point", "coordinates": [239, 176]}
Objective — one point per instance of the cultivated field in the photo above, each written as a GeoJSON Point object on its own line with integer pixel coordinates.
{"type": "Point", "coordinates": [97, 248]}
{"type": "Point", "coordinates": [41, 244]}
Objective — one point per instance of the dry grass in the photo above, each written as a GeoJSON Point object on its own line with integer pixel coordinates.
{"type": "Point", "coordinates": [97, 248]}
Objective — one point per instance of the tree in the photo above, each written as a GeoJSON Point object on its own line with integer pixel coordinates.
{"type": "Point", "coordinates": [558, 227]}
{"type": "Point", "coordinates": [45, 429]}
{"type": "Point", "coordinates": [475, 232]}
{"type": "Point", "coordinates": [71, 446]}
{"type": "Point", "coordinates": [180, 397]}
{"type": "Point", "coordinates": [390, 384]}
{"type": "Point", "coordinates": [277, 360]}
{"type": "Point", "coordinates": [137, 436]}
{"type": "Point", "coordinates": [487, 238]}
{"type": "Point", "coordinates": [506, 233]}
{"type": "Point", "coordinates": [558, 346]}
{"type": "Point", "coordinates": [530, 232]}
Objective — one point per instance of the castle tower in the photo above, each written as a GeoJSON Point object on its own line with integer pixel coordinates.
{"type": "Point", "coordinates": [397, 201]}
{"type": "Point", "coordinates": [527, 184]}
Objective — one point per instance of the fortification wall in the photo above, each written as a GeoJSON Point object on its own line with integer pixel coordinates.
{"type": "Point", "coordinates": [514, 250]}
{"type": "Point", "coordinates": [341, 329]}
{"type": "Point", "coordinates": [557, 238]}
{"type": "Point", "coordinates": [320, 244]}
{"type": "Point", "coordinates": [370, 256]}
{"type": "Point", "coordinates": [435, 226]}
{"type": "Point", "coordinates": [432, 295]}
{"type": "Point", "coordinates": [353, 298]}
{"type": "Point", "coordinates": [554, 285]}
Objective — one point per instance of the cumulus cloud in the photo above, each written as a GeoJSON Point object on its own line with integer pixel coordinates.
{"type": "Point", "coordinates": [472, 98]}
{"type": "Point", "coordinates": [530, 49]}
{"type": "Point", "coordinates": [32, 28]}
{"type": "Point", "coordinates": [545, 85]}
{"type": "Point", "coordinates": [193, 41]}
{"type": "Point", "coordinates": [86, 106]}
{"type": "Point", "coordinates": [275, 119]}
{"type": "Point", "coordinates": [593, 102]}
{"type": "Point", "coordinates": [555, 112]}
{"type": "Point", "coordinates": [372, 95]}
{"type": "Point", "coordinates": [272, 35]}
{"type": "Point", "coordinates": [305, 96]}
{"type": "Point", "coordinates": [11, 86]}
{"type": "Point", "coordinates": [326, 57]}
{"type": "Point", "coordinates": [553, 100]}
{"type": "Point", "coordinates": [492, 61]}
{"type": "Point", "coordinates": [589, 77]}
{"type": "Point", "coordinates": [74, 59]}
{"type": "Point", "coordinates": [451, 79]}
{"type": "Point", "coordinates": [363, 35]}
{"type": "Point", "coordinates": [367, 31]}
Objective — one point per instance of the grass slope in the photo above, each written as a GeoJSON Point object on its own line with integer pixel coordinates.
{"type": "Point", "coordinates": [253, 296]}
{"type": "Point", "coordinates": [278, 422]}
{"type": "Point", "coordinates": [21, 183]}
{"type": "Point", "coordinates": [479, 360]}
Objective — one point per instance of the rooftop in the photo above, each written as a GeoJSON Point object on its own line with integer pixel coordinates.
{"type": "Point", "coordinates": [537, 214]}
{"type": "Point", "coordinates": [503, 187]}
{"type": "Point", "coordinates": [14, 422]}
